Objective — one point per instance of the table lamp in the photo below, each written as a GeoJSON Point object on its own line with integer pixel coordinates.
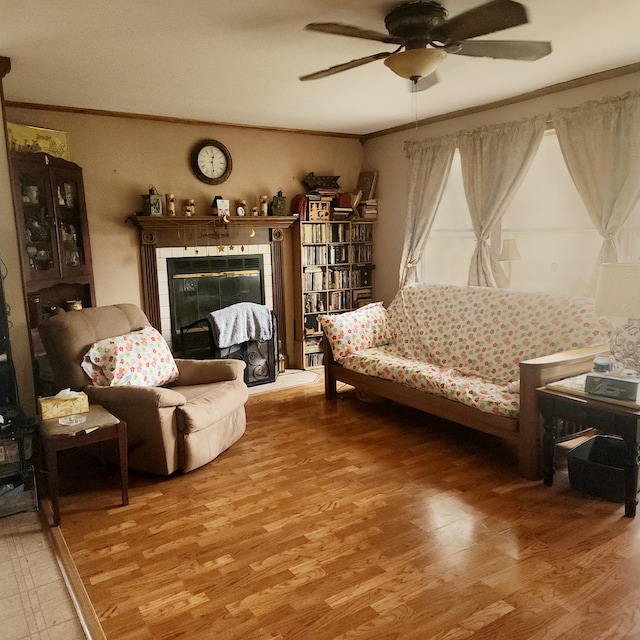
{"type": "Point", "coordinates": [618, 296]}
{"type": "Point", "coordinates": [508, 254]}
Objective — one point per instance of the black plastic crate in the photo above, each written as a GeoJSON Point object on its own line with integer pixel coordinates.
{"type": "Point", "coordinates": [597, 467]}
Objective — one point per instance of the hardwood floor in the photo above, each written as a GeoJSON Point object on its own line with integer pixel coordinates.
{"type": "Point", "coordinates": [346, 519]}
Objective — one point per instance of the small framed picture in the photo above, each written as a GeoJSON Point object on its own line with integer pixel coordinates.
{"type": "Point", "coordinates": [223, 207]}
{"type": "Point", "coordinates": [367, 184]}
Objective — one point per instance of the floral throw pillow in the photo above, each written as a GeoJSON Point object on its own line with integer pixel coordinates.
{"type": "Point", "coordinates": [139, 358]}
{"type": "Point", "coordinates": [356, 330]}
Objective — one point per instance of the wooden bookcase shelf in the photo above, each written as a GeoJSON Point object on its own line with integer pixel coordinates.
{"type": "Point", "coordinates": [335, 274]}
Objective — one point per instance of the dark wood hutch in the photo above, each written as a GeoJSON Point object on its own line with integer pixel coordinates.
{"type": "Point", "coordinates": [53, 241]}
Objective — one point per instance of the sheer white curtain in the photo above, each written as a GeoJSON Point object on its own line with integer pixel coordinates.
{"type": "Point", "coordinates": [429, 165]}
{"type": "Point", "coordinates": [600, 143]}
{"type": "Point", "coordinates": [494, 161]}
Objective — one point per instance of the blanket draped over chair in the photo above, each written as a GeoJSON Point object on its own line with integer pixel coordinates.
{"type": "Point", "coordinates": [240, 323]}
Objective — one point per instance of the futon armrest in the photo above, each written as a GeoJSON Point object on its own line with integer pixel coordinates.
{"type": "Point", "coordinates": [564, 364]}
{"type": "Point", "coordinates": [536, 373]}
{"type": "Point", "coordinates": [135, 396]}
{"type": "Point", "coordinates": [205, 371]}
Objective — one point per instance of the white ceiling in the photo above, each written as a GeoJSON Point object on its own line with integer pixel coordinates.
{"type": "Point", "coordinates": [238, 61]}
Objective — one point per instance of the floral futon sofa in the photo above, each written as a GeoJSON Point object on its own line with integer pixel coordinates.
{"type": "Point", "coordinates": [473, 355]}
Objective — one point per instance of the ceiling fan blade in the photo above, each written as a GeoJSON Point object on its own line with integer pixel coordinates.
{"type": "Point", "coordinates": [425, 82]}
{"type": "Point", "coordinates": [345, 66]}
{"type": "Point", "coordinates": [353, 32]}
{"type": "Point", "coordinates": [505, 49]}
{"type": "Point", "coordinates": [487, 18]}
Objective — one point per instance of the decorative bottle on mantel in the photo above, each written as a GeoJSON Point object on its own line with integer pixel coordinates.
{"type": "Point", "coordinates": [171, 204]}
{"type": "Point", "coordinates": [264, 205]}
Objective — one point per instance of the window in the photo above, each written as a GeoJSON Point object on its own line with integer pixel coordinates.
{"type": "Point", "coordinates": [556, 240]}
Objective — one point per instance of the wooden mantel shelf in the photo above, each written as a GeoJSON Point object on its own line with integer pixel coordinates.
{"type": "Point", "coordinates": [158, 223]}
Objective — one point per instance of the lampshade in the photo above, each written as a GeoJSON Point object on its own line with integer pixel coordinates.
{"type": "Point", "coordinates": [509, 251]}
{"type": "Point", "coordinates": [415, 63]}
{"type": "Point", "coordinates": [618, 291]}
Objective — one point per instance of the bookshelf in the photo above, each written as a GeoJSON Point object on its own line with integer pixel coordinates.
{"type": "Point", "coordinates": [335, 263]}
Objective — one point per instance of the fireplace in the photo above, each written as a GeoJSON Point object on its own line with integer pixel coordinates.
{"type": "Point", "coordinates": [193, 282]}
{"type": "Point", "coordinates": [163, 238]}
{"type": "Point", "coordinates": [202, 284]}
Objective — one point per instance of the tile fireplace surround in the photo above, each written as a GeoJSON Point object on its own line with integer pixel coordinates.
{"type": "Point", "coordinates": [176, 237]}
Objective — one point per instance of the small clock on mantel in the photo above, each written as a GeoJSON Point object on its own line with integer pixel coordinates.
{"type": "Point", "coordinates": [211, 161]}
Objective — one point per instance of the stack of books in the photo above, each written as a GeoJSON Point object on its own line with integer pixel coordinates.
{"type": "Point", "coordinates": [341, 213]}
{"type": "Point", "coordinates": [369, 209]}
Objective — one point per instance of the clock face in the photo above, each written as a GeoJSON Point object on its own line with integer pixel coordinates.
{"type": "Point", "coordinates": [211, 161]}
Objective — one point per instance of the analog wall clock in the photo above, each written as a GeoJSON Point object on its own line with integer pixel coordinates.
{"type": "Point", "coordinates": [211, 161]}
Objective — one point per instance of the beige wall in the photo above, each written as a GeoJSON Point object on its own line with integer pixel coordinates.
{"type": "Point", "coordinates": [386, 154]}
{"type": "Point", "coordinates": [121, 157]}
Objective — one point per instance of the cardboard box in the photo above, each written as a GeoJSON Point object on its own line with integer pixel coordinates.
{"type": "Point", "coordinates": [55, 407]}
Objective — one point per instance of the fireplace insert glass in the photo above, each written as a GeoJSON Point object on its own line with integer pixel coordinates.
{"type": "Point", "coordinates": [198, 286]}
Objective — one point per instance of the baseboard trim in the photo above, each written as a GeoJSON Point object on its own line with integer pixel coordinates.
{"type": "Point", "coordinates": [86, 613]}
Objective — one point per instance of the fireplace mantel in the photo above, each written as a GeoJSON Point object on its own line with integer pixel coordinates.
{"type": "Point", "coordinates": [164, 231]}
{"type": "Point", "coordinates": [151, 226]}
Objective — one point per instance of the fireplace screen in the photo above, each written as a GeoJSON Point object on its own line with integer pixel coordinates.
{"type": "Point", "coordinates": [198, 286]}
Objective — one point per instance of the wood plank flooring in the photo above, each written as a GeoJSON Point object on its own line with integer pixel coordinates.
{"type": "Point", "coordinates": [347, 520]}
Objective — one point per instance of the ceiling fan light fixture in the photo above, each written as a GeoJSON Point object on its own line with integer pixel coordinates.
{"type": "Point", "coordinates": [414, 64]}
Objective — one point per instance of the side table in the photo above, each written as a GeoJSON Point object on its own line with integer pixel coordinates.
{"type": "Point", "coordinates": [99, 426]}
{"type": "Point", "coordinates": [604, 416]}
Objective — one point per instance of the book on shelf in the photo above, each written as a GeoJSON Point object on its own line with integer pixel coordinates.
{"type": "Point", "coordinates": [341, 213]}
{"type": "Point", "coordinates": [313, 279]}
{"type": "Point", "coordinates": [313, 345]}
{"type": "Point", "coordinates": [369, 209]}
{"type": "Point", "coordinates": [314, 359]}
{"type": "Point", "coordinates": [362, 297]}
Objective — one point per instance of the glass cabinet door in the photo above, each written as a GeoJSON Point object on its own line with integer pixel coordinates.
{"type": "Point", "coordinates": [39, 232]}
{"type": "Point", "coordinates": [67, 197]}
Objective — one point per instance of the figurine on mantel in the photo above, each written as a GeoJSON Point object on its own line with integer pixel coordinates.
{"type": "Point", "coordinates": [152, 202]}
{"type": "Point", "coordinates": [279, 205]}
{"type": "Point", "coordinates": [189, 208]}
{"type": "Point", "coordinates": [171, 204]}
{"type": "Point", "coordinates": [264, 205]}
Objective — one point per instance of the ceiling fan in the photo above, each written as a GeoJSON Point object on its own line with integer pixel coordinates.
{"type": "Point", "coordinates": [424, 37]}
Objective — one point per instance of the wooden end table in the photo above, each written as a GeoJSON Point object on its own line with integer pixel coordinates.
{"type": "Point", "coordinates": [99, 426]}
{"type": "Point", "coordinates": [606, 417]}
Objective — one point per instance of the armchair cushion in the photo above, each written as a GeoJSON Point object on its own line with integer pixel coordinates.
{"type": "Point", "coordinates": [138, 358]}
{"type": "Point", "coordinates": [142, 397]}
{"type": "Point", "coordinates": [206, 371]}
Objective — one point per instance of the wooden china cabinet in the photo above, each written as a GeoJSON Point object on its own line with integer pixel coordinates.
{"type": "Point", "coordinates": [53, 239]}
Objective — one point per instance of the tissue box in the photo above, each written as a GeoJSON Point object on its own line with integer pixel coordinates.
{"type": "Point", "coordinates": [55, 407]}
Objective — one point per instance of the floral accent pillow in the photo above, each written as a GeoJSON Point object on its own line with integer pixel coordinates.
{"type": "Point", "coordinates": [356, 330]}
{"type": "Point", "coordinates": [139, 358]}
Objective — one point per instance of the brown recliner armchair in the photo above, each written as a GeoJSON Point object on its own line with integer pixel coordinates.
{"type": "Point", "coordinates": [177, 427]}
